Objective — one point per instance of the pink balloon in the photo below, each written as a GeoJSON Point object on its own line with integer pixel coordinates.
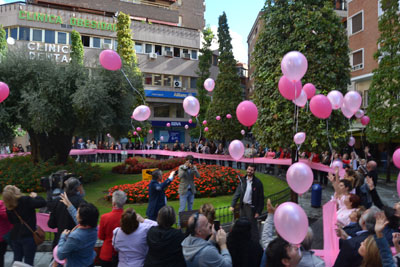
{"type": "Point", "coordinates": [218, 118]}
{"type": "Point", "coordinates": [299, 177]}
{"type": "Point", "coordinates": [56, 257]}
{"type": "Point", "coordinates": [150, 131]}
{"type": "Point", "coordinates": [291, 222]}
{"type": "Point", "coordinates": [209, 84]}
{"type": "Point", "coordinates": [110, 60]}
{"type": "Point", "coordinates": [191, 105]}
{"type": "Point", "coordinates": [236, 149]}
{"type": "Point", "coordinates": [206, 129]}
{"type": "Point", "coordinates": [309, 88]}
{"type": "Point", "coordinates": [289, 89]}
{"type": "Point", "coordinates": [228, 116]}
{"type": "Point", "coordinates": [299, 138]}
{"type": "Point", "coordinates": [398, 184]}
{"type": "Point", "coordinates": [320, 106]}
{"type": "Point", "coordinates": [168, 124]}
{"type": "Point", "coordinates": [352, 101]}
{"type": "Point", "coordinates": [141, 113]}
{"type": "Point", "coordinates": [4, 91]}
{"type": "Point", "coordinates": [396, 158]}
{"type": "Point", "coordinates": [134, 133]}
{"type": "Point", "coordinates": [108, 135]}
{"type": "Point", "coordinates": [186, 126]}
{"type": "Point", "coordinates": [138, 129]}
{"type": "Point", "coordinates": [242, 132]}
{"type": "Point", "coordinates": [247, 113]}
{"type": "Point", "coordinates": [351, 141]}
{"type": "Point", "coordinates": [337, 164]}
{"type": "Point", "coordinates": [359, 113]}
{"type": "Point", "coordinates": [162, 138]}
{"type": "Point", "coordinates": [365, 120]}
{"type": "Point", "coordinates": [294, 65]}
{"type": "Point", "coordinates": [346, 112]}
{"type": "Point", "coordinates": [190, 121]}
{"type": "Point", "coordinates": [336, 99]}
{"type": "Point", "coordinates": [301, 100]}
{"type": "Point", "coordinates": [204, 122]}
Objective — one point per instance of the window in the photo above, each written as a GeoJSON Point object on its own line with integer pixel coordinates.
{"type": "Point", "coordinates": [149, 48]}
{"type": "Point", "coordinates": [50, 37]}
{"type": "Point", "coordinates": [115, 45]}
{"type": "Point", "coordinates": [177, 52]}
{"type": "Point", "coordinates": [357, 23]}
{"type": "Point", "coordinates": [14, 33]}
{"type": "Point", "coordinates": [357, 60]}
{"type": "Point", "coordinates": [193, 82]}
{"type": "Point", "coordinates": [179, 111]}
{"type": "Point", "coordinates": [6, 29]}
{"type": "Point", "coordinates": [139, 47]}
{"type": "Point", "coordinates": [158, 49]}
{"type": "Point", "coordinates": [85, 40]}
{"type": "Point", "coordinates": [185, 51]}
{"type": "Point", "coordinates": [37, 35]}
{"type": "Point", "coordinates": [157, 79]}
{"type": "Point", "coordinates": [185, 82]}
{"type": "Point", "coordinates": [161, 110]}
{"type": "Point", "coordinates": [96, 42]}
{"type": "Point", "coordinates": [194, 54]}
{"type": "Point", "coordinates": [107, 41]}
{"type": "Point", "coordinates": [24, 34]}
{"type": "Point", "coordinates": [148, 79]}
{"type": "Point", "coordinates": [167, 80]}
{"type": "Point", "coordinates": [167, 48]}
{"type": "Point", "coordinates": [365, 99]}
{"type": "Point", "coordinates": [62, 37]}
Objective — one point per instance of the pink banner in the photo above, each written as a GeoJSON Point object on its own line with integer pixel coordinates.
{"type": "Point", "coordinates": [42, 219]}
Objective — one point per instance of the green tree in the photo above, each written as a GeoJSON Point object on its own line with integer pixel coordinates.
{"type": "Point", "coordinates": [227, 92]}
{"type": "Point", "coordinates": [383, 104]}
{"type": "Point", "coordinates": [126, 46]}
{"type": "Point", "coordinates": [203, 71]}
{"type": "Point", "coordinates": [313, 28]}
{"type": "Point", "coordinates": [77, 53]}
{"type": "Point", "coordinates": [3, 42]}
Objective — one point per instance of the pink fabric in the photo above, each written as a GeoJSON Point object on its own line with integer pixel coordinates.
{"type": "Point", "coordinates": [42, 219]}
{"type": "Point", "coordinates": [331, 241]}
{"type": "Point", "coordinates": [5, 225]}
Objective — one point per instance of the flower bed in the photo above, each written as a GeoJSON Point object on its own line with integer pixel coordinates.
{"type": "Point", "coordinates": [214, 181]}
{"type": "Point", "coordinates": [21, 171]}
{"type": "Point", "coordinates": [134, 166]}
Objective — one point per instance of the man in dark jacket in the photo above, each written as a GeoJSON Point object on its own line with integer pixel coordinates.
{"type": "Point", "coordinates": [157, 198]}
{"type": "Point", "coordinates": [251, 194]}
{"type": "Point", "coordinates": [59, 216]}
{"type": "Point", "coordinates": [372, 173]}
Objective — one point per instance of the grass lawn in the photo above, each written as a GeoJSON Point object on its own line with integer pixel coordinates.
{"type": "Point", "coordinates": [96, 191]}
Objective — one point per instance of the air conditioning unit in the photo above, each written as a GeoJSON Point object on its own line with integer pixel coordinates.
{"type": "Point", "coordinates": [177, 84]}
{"type": "Point", "coordinates": [186, 55]}
{"type": "Point", "coordinates": [168, 53]}
{"type": "Point", "coordinates": [152, 55]}
{"type": "Point", "coordinates": [107, 46]}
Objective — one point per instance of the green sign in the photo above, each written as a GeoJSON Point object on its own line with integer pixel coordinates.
{"type": "Point", "coordinates": [78, 22]}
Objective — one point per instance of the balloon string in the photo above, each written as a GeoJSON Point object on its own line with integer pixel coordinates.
{"type": "Point", "coordinates": [351, 132]}
{"type": "Point", "coordinates": [297, 118]}
{"type": "Point", "coordinates": [327, 134]}
{"type": "Point", "coordinates": [133, 88]}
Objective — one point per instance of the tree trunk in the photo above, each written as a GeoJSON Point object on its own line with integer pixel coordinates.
{"type": "Point", "coordinates": [389, 153]}
{"type": "Point", "coordinates": [55, 144]}
{"type": "Point", "coordinates": [295, 158]}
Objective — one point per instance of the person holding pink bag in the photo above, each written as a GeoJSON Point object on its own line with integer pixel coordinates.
{"type": "Point", "coordinates": [5, 227]}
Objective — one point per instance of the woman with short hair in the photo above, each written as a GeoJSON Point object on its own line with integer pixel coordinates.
{"type": "Point", "coordinates": [130, 239]}
{"type": "Point", "coordinates": [165, 249]}
{"type": "Point", "coordinates": [20, 207]}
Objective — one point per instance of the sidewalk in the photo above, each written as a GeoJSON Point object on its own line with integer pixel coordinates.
{"type": "Point", "coordinates": [42, 259]}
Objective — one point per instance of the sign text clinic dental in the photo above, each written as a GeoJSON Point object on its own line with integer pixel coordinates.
{"type": "Point", "coordinates": [55, 19]}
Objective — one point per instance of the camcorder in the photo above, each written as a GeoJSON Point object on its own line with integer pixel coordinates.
{"type": "Point", "coordinates": [54, 183]}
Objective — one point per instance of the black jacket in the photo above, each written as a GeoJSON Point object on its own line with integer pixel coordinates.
{"type": "Point", "coordinates": [165, 249]}
{"type": "Point", "coordinates": [248, 254]}
{"type": "Point", "coordinates": [26, 209]}
{"type": "Point", "coordinates": [257, 196]}
{"type": "Point", "coordinates": [60, 217]}
{"type": "Point", "coordinates": [348, 255]}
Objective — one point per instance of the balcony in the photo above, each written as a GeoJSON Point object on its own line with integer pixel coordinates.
{"type": "Point", "coordinates": [340, 5]}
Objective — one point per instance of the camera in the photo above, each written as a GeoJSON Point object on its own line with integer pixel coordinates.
{"type": "Point", "coordinates": [54, 183]}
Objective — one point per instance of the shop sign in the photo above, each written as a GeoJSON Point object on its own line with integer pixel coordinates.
{"type": "Point", "coordinates": [167, 94]}
{"type": "Point", "coordinates": [57, 52]}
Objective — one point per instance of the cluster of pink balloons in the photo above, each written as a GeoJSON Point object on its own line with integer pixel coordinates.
{"type": "Point", "coordinates": [191, 106]}
{"type": "Point", "coordinates": [209, 84]}
{"type": "Point", "coordinates": [141, 113]}
{"type": "Point", "coordinates": [110, 60]}
{"type": "Point", "coordinates": [4, 91]}
{"type": "Point", "coordinates": [291, 222]}
{"type": "Point", "coordinates": [247, 113]}
{"type": "Point", "coordinates": [299, 177]}
{"type": "Point", "coordinates": [236, 149]}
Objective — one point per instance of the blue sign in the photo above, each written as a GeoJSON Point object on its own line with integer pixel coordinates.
{"type": "Point", "coordinates": [173, 136]}
{"type": "Point", "coordinates": [167, 94]}
{"type": "Point", "coordinates": [173, 123]}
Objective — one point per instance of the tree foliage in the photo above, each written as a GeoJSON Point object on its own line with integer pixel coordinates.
{"type": "Point", "coordinates": [77, 53]}
{"type": "Point", "coordinates": [126, 45]}
{"type": "Point", "coordinates": [204, 73]}
{"type": "Point", "coordinates": [313, 28]}
{"type": "Point", "coordinates": [227, 92]}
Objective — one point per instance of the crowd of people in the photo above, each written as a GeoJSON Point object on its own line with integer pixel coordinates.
{"type": "Point", "coordinates": [15, 148]}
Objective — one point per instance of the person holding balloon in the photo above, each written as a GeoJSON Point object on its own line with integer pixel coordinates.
{"type": "Point", "coordinates": [251, 194]}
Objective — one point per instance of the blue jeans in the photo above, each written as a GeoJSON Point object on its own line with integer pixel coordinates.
{"type": "Point", "coordinates": [24, 248]}
{"type": "Point", "coordinates": [186, 198]}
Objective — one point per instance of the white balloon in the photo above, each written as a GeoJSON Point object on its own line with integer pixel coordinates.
{"type": "Point", "coordinates": [301, 100]}
{"type": "Point", "coordinates": [336, 99]}
{"type": "Point", "coordinates": [352, 101]}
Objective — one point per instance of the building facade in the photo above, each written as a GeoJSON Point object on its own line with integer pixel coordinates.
{"type": "Point", "coordinates": [167, 36]}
